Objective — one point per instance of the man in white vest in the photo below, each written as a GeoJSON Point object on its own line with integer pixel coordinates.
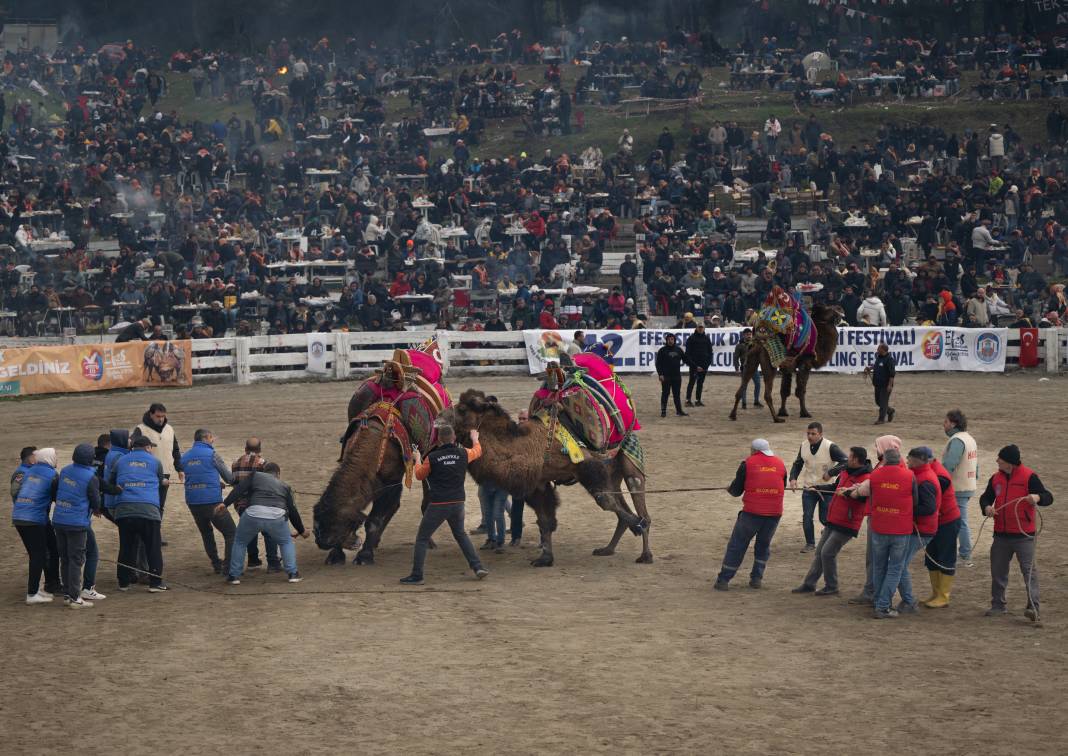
{"type": "Point", "coordinates": [961, 460]}
{"type": "Point", "coordinates": [155, 428]}
{"type": "Point", "coordinates": [819, 460]}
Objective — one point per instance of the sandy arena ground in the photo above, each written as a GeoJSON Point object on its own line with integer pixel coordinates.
{"type": "Point", "coordinates": [592, 655]}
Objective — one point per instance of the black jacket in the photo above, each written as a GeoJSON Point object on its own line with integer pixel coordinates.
{"type": "Point", "coordinates": [669, 361]}
{"type": "Point", "coordinates": [699, 350]}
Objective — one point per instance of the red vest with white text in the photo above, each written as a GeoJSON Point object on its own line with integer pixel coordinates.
{"type": "Point", "coordinates": [764, 485]}
{"type": "Point", "coordinates": [928, 524]}
{"type": "Point", "coordinates": [843, 511]}
{"type": "Point", "coordinates": [891, 500]}
{"type": "Point", "coordinates": [948, 509]}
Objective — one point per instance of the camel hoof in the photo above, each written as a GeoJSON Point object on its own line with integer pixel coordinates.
{"type": "Point", "coordinates": [604, 551]}
{"type": "Point", "coordinates": [545, 560]}
{"type": "Point", "coordinates": [645, 558]}
{"type": "Point", "coordinates": [363, 558]}
{"type": "Point", "coordinates": [779, 420]}
{"type": "Point", "coordinates": [733, 416]}
{"type": "Point", "coordinates": [806, 413]}
{"type": "Point", "coordinates": [783, 413]}
{"type": "Point", "coordinates": [336, 556]}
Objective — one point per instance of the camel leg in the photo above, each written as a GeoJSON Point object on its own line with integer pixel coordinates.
{"type": "Point", "coordinates": [748, 371]}
{"type": "Point", "coordinates": [595, 478]}
{"type": "Point", "coordinates": [636, 485]}
{"type": "Point", "coordinates": [784, 392]}
{"type": "Point", "coordinates": [544, 502]}
{"type": "Point", "coordinates": [621, 524]}
{"type": "Point", "coordinates": [803, 373]}
{"type": "Point", "coordinates": [769, 384]}
{"type": "Point", "coordinates": [386, 505]}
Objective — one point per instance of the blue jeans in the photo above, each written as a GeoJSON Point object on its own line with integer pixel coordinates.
{"type": "Point", "coordinates": [745, 528]}
{"type": "Point", "coordinates": [92, 559]}
{"type": "Point", "coordinates": [756, 389]}
{"type": "Point", "coordinates": [888, 555]}
{"type": "Point", "coordinates": [916, 542]}
{"type": "Point", "coordinates": [248, 527]}
{"type": "Point", "coordinates": [493, 501]}
{"type": "Point", "coordinates": [809, 501]}
{"type": "Point", "coordinates": [964, 536]}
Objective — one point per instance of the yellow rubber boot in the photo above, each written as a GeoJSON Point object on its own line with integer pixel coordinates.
{"type": "Point", "coordinates": [945, 583]}
{"type": "Point", "coordinates": [935, 592]}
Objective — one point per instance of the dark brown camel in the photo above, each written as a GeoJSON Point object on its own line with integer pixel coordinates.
{"type": "Point", "coordinates": [824, 320]}
{"type": "Point", "coordinates": [519, 459]}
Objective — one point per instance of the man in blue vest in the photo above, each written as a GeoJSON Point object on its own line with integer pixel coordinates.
{"type": "Point", "coordinates": [77, 499]}
{"type": "Point", "coordinates": [26, 460]}
{"type": "Point", "coordinates": [36, 493]}
{"type": "Point", "coordinates": [137, 512]}
{"type": "Point", "coordinates": [205, 473]}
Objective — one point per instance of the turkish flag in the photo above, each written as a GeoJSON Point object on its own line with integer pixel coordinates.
{"type": "Point", "coordinates": [1028, 347]}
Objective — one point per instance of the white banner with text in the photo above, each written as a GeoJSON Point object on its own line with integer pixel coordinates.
{"type": "Point", "coordinates": [913, 348]}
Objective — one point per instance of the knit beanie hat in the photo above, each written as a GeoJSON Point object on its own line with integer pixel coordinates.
{"type": "Point", "coordinates": [1010, 454]}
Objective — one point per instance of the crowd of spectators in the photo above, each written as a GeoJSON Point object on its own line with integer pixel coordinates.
{"type": "Point", "coordinates": [324, 211]}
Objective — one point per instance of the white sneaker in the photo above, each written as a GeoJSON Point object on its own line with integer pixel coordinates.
{"type": "Point", "coordinates": [90, 594]}
{"type": "Point", "coordinates": [46, 594]}
{"type": "Point", "coordinates": [79, 604]}
{"type": "Point", "coordinates": [39, 598]}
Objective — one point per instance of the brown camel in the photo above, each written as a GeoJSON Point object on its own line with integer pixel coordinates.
{"type": "Point", "coordinates": [371, 474]}
{"type": "Point", "coordinates": [824, 320]}
{"type": "Point", "coordinates": [520, 459]}
{"type": "Point", "coordinates": [361, 480]}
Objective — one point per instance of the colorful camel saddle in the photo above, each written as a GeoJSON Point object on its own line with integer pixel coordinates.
{"type": "Point", "coordinates": [404, 396]}
{"type": "Point", "coordinates": [792, 333]}
{"type": "Point", "coordinates": [588, 400]}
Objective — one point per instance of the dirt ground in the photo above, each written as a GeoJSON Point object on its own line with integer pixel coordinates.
{"type": "Point", "coordinates": [592, 655]}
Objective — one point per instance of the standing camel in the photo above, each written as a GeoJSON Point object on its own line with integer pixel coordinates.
{"type": "Point", "coordinates": [520, 459]}
{"type": "Point", "coordinates": [824, 319]}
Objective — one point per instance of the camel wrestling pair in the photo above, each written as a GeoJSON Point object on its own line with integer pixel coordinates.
{"type": "Point", "coordinates": [582, 429]}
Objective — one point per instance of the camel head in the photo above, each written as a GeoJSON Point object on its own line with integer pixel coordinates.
{"type": "Point", "coordinates": [342, 507]}
{"type": "Point", "coordinates": [474, 411]}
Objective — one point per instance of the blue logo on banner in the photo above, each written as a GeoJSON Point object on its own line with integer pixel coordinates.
{"type": "Point", "coordinates": [988, 347]}
{"type": "Point", "coordinates": [9, 388]}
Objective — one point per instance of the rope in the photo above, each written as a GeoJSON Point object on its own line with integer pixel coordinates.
{"type": "Point", "coordinates": [230, 594]}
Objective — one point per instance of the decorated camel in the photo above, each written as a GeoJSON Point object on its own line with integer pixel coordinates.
{"type": "Point", "coordinates": [787, 339]}
{"type": "Point", "coordinates": [388, 414]}
{"type": "Point", "coordinates": [581, 430]}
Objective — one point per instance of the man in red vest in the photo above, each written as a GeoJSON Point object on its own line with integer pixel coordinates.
{"type": "Point", "coordinates": [925, 517]}
{"type": "Point", "coordinates": [941, 557]}
{"type": "Point", "coordinates": [1010, 498]}
{"type": "Point", "coordinates": [893, 501]}
{"type": "Point", "coordinates": [844, 518]}
{"type": "Point", "coordinates": [761, 482]}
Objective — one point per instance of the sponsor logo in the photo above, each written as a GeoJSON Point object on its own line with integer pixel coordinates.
{"type": "Point", "coordinates": [317, 349]}
{"type": "Point", "coordinates": [93, 366]}
{"type": "Point", "coordinates": [9, 388]}
{"type": "Point", "coordinates": [988, 347]}
{"type": "Point", "coordinates": [932, 345]}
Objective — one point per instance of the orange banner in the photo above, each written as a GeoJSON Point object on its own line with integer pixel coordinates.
{"type": "Point", "coordinates": [95, 367]}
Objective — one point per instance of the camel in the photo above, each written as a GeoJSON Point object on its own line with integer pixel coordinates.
{"type": "Point", "coordinates": [372, 471]}
{"type": "Point", "coordinates": [520, 459]}
{"type": "Point", "coordinates": [824, 320]}
{"type": "Point", "coordinates": [361, 478]}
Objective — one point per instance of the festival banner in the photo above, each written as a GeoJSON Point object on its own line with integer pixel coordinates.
{"type": "Point", "coordinates": [913, 347]}
{"type": "Point", "coordinates": [95, 367]}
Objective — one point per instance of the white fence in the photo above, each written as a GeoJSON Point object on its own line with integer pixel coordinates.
{"type": "Point", "coordinates": [267, 358]}
{"type": "Point", "coordinates": [279, 358]}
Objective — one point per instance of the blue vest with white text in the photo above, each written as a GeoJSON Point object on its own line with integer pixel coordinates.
{"type": "Point", "coordinates": [202, 483]}
{"type": "Point", "coordinates": [35, 495]}
{"type": "Point", "coordinates": [72, 498]}
{"type": "Point", "coordinates": [113, 456]}
{"type": "Point", "coordinates": [138, 474]}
